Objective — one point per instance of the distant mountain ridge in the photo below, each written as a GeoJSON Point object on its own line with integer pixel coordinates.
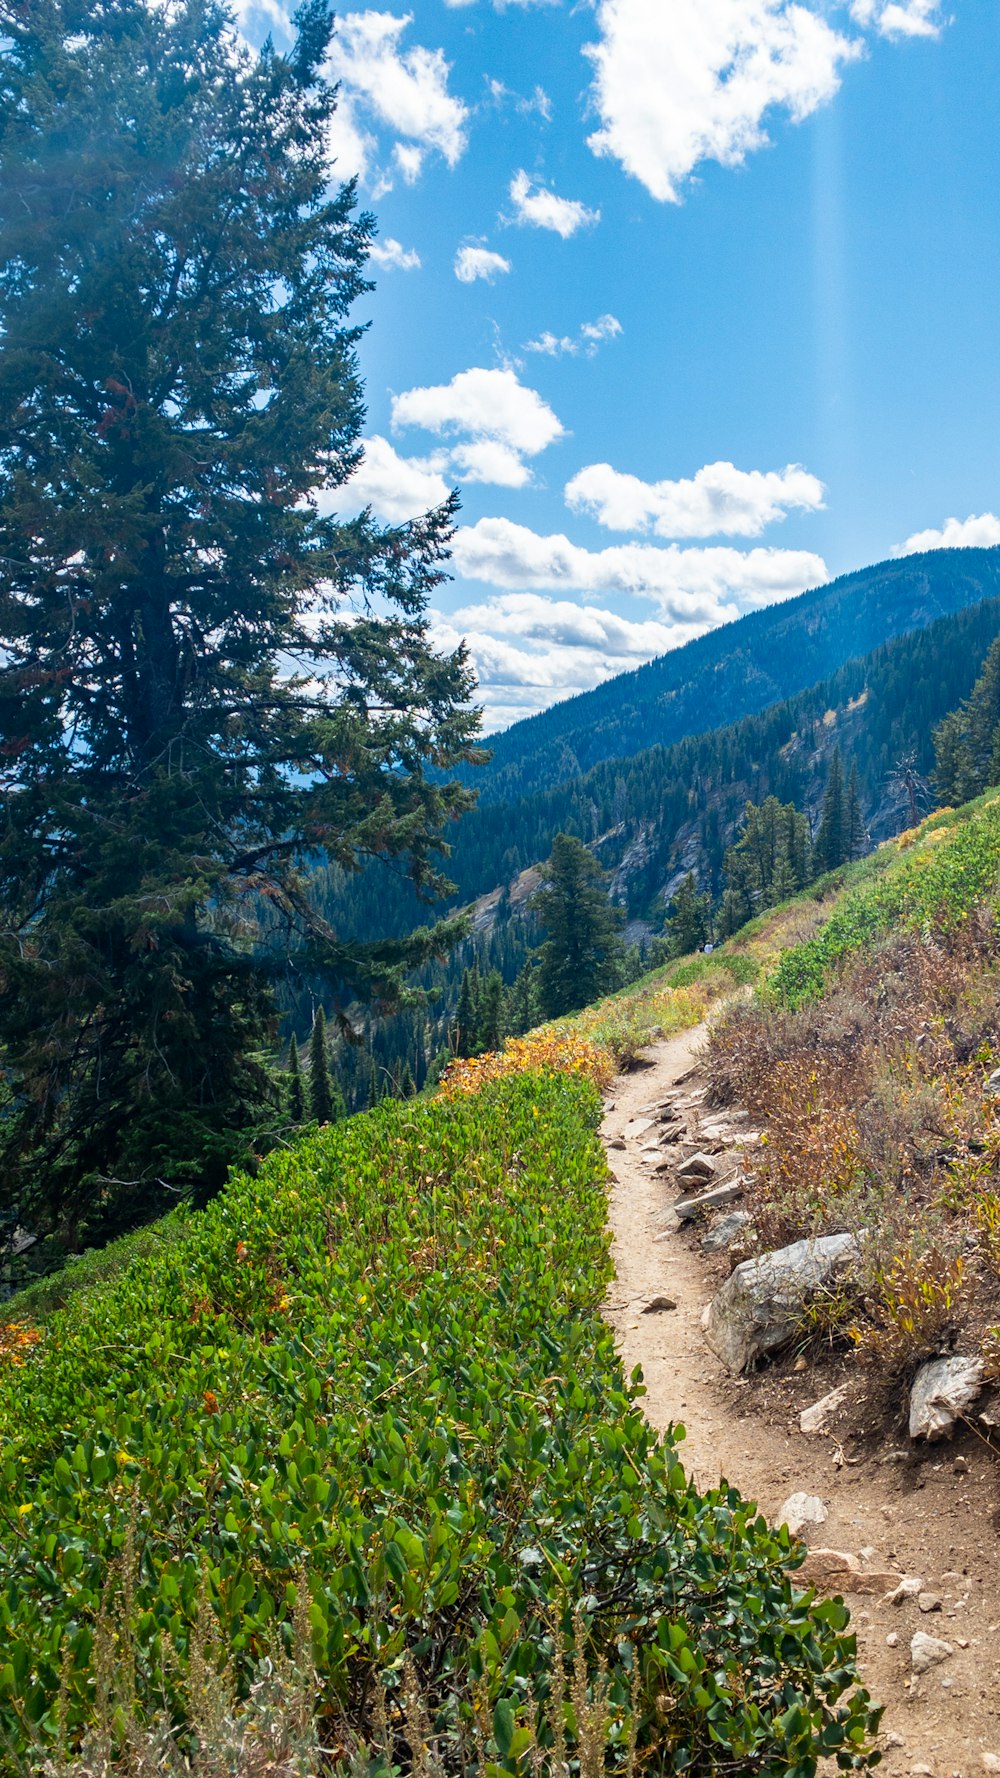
{"type": "Point", "coordinates": [737, 670]}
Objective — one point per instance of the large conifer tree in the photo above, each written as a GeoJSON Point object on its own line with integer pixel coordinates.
{"type": "Point", "coordinates": [206, 680]}
{"type": "Point", "coordinates": [578, 961]}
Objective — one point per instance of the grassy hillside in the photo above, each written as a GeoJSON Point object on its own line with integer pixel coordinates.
{"type": "Point", "coordinates": [362, 1421]}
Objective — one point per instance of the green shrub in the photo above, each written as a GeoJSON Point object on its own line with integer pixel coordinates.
{"type": "Point", "coordinates": [933, 886]}
{"type": "Point", "coordinates": [381, 1366]}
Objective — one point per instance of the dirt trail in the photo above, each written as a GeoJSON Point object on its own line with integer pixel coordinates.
{"type": "Point", "coordinates": [933, 1513]}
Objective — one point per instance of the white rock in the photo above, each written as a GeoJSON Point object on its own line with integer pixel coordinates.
{"type": "Point", "coordinates": [928, 1651]}
{"type": "Point", "coordinates": [814, 1420]}
{"type": "Point", "coordinates": [942, 1390]}
{"type": "Point", "coordinates": [990, 1762]}
{"type": "Point", "coordinates": [760, 1305]}
{"type": "Point", "coordinates": [802, 1512]}
{"type": "Point", "coordinates": [992, 1088]}
{"type": "Point", "coordinates": [910, 1587]}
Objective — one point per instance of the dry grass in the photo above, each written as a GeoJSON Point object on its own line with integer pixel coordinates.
{"type": "Point", "coordinates": [875, 1121]}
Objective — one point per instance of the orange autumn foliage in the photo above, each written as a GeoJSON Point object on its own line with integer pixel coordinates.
{"type": "Point", "coordinates": [559, 1051]}
{"type": "Point", "coordinates": [16, 1338]}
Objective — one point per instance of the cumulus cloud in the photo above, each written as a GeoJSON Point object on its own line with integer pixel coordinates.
{"type": "Point", "coordinates": [496, 418]}
{"type": "Point", "coordinates": [479, 262]}
{"type": "Point", "coordinates": [530, 651]}
{"type": "Point", "coordinates": [980, 531]}
{"type": "Point", "coordinates": [899, 18]}
{"type": "Point", "coordinates": [591, 335]}
{"type": "Point", "coordinates": [404, 90]}
{"type": "Point", "coordinates": [396, 488]}
{"type": "Point", "coordinates": [720, 500]}
{"type": "Point", "coordinates": [701, 586]}
{"type": "Point", "coordinates": [538, 207]}
{"type": "Point", "coordinates": [694, 80]}
{"type": "Point", "coordinates": [391, 256]}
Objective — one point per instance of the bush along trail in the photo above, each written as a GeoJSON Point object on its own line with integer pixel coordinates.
{"type": "Point", "coordinates": [363, 1414]}
{"type": "Point", "coordinates": [805, 1210]}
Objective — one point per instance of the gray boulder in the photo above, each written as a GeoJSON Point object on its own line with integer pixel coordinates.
{"type": "Point", "coordinates": [760, 1305]}
{"type": "Point", "coordinates": [941, 1392]}
{"type": "Point", "coordinates": [725, 1232]}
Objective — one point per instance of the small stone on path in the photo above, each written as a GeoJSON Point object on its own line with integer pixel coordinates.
{"type": "Point", "coordinates": [928, 1651]}
{"type": "Point", "coordinates": [802, 1513]}
{"type": "Point", "coordinates": [813, 1420]}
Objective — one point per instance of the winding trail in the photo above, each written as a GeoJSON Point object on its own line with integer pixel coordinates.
{"type": "Point", "coordinates": [932, 1513]}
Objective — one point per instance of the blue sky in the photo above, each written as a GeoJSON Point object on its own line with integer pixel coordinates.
{"type": "Point", "coordinates": [696, 301]}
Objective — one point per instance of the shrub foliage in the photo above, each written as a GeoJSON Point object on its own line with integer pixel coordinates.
{"type": "Point", "coordinates": [377, 1375]}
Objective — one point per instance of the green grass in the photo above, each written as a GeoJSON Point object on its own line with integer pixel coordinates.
{"type": "Point", "coordinates": [379, 1370]}
{"type": "Point", "coordinates": [932, 885]}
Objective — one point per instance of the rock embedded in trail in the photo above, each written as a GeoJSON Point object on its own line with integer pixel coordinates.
{"type": "Point", "coordinates": [725, 1232]}
{"type": "Point", "coordinates": [837, 1571]}
{"type": "Point", "coordinates": [714, 1199]}
{"type": "Point", "coordinates": [928, 1651]}
{"type": "Point", "coordinates": [802, 1513]}
{"type": "Point", "coordinates": [695, 1168]}
{"type": "Point", "coordinates": [940, 1394]}
{"type": "Point", "coordinates": [637, 1126]}
{"type": "Point", "coordinates": [759, 1307]}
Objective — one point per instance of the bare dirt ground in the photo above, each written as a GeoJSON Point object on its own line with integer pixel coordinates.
{"type": "Point", "coordinates": [932, 1512]}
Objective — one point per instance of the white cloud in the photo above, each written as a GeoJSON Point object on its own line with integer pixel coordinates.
{"type": "Point", "coordinates": [479, 262]}
{"type": "Point", "coordinates": [530, 651]}
{"type": "Point", "coordinates": [392, 256]}
{"type": "Point", "coordinates": [350, 147]}
{"type": "Point", "coordinates": [700, 586]}
{"type": "Point", "coordinates": [694, 80]}
{"type": "Point", "coordinates": [590, 337]}
{"type": "Point", "coordinates": [541, 208]}
{"type": "Point", "coordinates": [975, 532]}
{"type": "Point", "coordinates": [900, 18]}
{"type": "Point", "coordinates": [533, 618]}
{"type": "Point", "coordinates": [502, 5]}
{"type": "Point", "coordinates": [489, 460]}
{"type": "Point", "coordinates": [405, 90]}
{"type": "Point", "coordinates": [719, 501]}
{"type": "Point", "coordinates": [397, 488]}
{"type": "Point", "coordinates": [487, 405]}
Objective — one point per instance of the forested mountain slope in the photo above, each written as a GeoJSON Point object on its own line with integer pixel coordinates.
{"type": "Point", "coordinates": [736, 670]}
{"type": "Point", "coordinates": [668, 809]}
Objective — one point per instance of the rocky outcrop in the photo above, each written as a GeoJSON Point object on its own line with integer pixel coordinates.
{"type": "Point", "coordinates": [760, 1305]}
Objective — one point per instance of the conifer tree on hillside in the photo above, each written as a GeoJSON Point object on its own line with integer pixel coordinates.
{"type": "Point", "coordinates": [831, 845]}
{"type": "Point", "coordinates": [967, 743]}
{"type": "Point", "coordinates": [206, 678]}
{"type": "Point", "coordinates": [320, 1086]}
{"type": "Point", "coordinates": [491, 1030]}
{"type": "Point", "coordinates": [464, 1029]}
{"type": "Point", "coordinates": [578, 961]}
{"type": "Point", "coordinates": [296, 1098]}
{"type": "Point", "coordinates": [856, 838]}
{"type": "Point", "coordinates": [688, 919]}
{"type": "Point", "coordinates": [771, 860]}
